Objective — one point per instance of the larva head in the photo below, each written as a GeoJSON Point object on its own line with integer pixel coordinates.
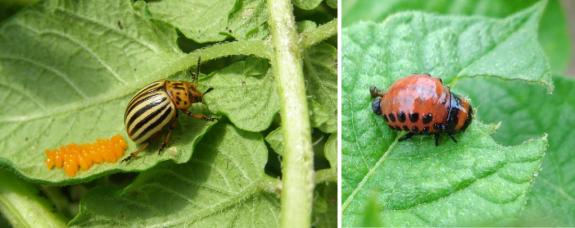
{"type": "Point", "coordinates": [460, 114]}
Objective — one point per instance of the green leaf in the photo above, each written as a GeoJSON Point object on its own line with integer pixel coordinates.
{"type": "Point", "coordinates": [307, 4]}
{"type": "Point", "coordinates": [208, 21]}
{"type": "Point", "coordinates": [325, 206]}
{"type": "Point", "coordinates": [320, 70]}
{"type": "Point", "coordinates": [449, 47]}
{"type": "Point", "coordinates": [201, 20]}
{"type": "Point", "coordinates": [473, 182]}
{"type": "Point", "coordinates": [249, 20]}
{"type": "Point", "coordinates": [526, 111]}
{"type": "Point", "coordinates": [222, 185]}
{"type": "Point", "coordinates": [245, 92]}
{"type": "Point", "coordinates": [553, 32]}
{"type": "Point", "coordinates": [67, 74]}
{"type": "Point", "coordinates": [332, 3]}
{"type": "Point", "coordinates": [330, 151]}
{"type": "Point", "coordinates": [275, 140]}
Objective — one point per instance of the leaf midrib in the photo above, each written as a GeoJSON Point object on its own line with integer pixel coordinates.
{"type": "Point", "coordinates": [369, 174]}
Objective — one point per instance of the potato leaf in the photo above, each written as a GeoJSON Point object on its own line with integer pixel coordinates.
{"type": "Point", "coordinates": [320, 70]}
{"type": "Point", "coordinates": [553, 33]}
{"type": "Point", "coordinates": [475, 181]}
{"type": "Point", "coordinates": [209, 21]}
{"type": "Point", "coordinates": [527, 111]}
{"type": "Point", "coordinates": [67, 74]}
{"type": "Point", "coordinates": [245, 92]}
{"type": "Point", "coordinates": [307, 4]}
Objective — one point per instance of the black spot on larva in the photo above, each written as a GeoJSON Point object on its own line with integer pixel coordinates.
{"type": "Point", "coordinates": [391, 117]}
{"type": "Point", "coordinates": [405, 128]}
{"type": "Point", "coordinates": [401, 117]}
{"type": "Point", "coordinates": [427, 118]}
{"type": "Point", "coordinates": [426, 130]}
{"type": "Point", "coordinates": [414, 129]}
{"type": "Point", "coordinates": [385, 118]}
{"type": "Point", "coordinates": [413, 117]}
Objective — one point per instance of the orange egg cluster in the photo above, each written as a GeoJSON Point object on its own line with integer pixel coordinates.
{"type": "Point", "coordinates": [73, 157]}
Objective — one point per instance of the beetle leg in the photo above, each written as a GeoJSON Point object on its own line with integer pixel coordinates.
{"type": "Point", "coordinates": [406, 137]}
{"type": "Point", "coordinates": [436, 139]}
{"type": "Point", "coordinates": [134, 154]}
{"type": "Point", "coordinates": [452, 138]}
{"type": "Point", "coordinates": [199, 116]}
{"type": "Point", "coordinates": [167, 138]}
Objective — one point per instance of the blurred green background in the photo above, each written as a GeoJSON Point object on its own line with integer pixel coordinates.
{"type": "Point", "coordinates": [557, 31]}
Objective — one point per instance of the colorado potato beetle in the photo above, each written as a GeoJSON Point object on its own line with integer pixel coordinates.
{"type": "Point", "coordinates": [421, 104]}
{"type": "Point", "coordinates": [154, 109]}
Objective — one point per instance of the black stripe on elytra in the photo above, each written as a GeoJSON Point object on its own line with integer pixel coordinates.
{"type": "Point", "coordinates": [148, 91]}
{"type": "Point", "coordinates": [144, 109]}
{"type": "Point", "coordinates": [157, 122]}
{"type": "Point", "coordinates": [148, 118]}
{"type": "Point", "coordinates": [139, 101]}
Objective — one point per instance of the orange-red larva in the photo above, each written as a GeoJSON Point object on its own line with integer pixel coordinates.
{"type": "Point", "coordinates": [421, 104]}
{"type": "Point", "coordinates": [75, 157]}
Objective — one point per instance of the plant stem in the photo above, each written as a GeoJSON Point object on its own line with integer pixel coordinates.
{"type": "Point", "coordinates": [322, 32]}
{"type": "Point", "coordinates": [21, 205]}
{"type": "Point", "coordinates": [257, 48]}
{"type": "Point", "coordinates": [298, 181]}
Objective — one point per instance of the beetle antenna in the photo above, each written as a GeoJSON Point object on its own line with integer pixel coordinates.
{"type": "Point", "coordinates": [197, 73]}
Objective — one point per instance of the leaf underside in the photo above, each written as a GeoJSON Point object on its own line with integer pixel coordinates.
{"type": "Point", "coordinates": [210, 21]}
{"type": "Point", "coordinates": [245, 92]}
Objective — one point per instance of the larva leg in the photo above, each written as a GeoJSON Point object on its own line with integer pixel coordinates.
{"type": "Point", "coordinates": [452, 138]}
{"type": "Point", "coordinates": [437, 139]}
{"type": "Point", "coordinates": [134, 154]}
{"type": "Point", "coordinates": [406, 137]}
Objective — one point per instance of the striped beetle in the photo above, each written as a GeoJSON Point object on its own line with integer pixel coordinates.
{"type": "Point", "coordinates": [156, 106]}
